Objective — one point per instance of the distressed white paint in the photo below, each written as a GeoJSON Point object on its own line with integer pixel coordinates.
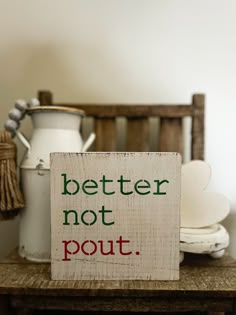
{"type": "Point", "coordinates": [209, 240]}
{"type": "Point", "coordinates": [150, 222]}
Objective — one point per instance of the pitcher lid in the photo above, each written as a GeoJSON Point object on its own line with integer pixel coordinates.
{"type": "Point", "coordinates": [64, 109]}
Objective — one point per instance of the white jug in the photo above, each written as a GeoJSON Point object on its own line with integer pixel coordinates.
{"type": "Point", "coordinates": [56, 129]}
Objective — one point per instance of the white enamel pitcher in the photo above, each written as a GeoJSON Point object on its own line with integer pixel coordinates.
{"type": "Point", "coordinates": [56, 129]}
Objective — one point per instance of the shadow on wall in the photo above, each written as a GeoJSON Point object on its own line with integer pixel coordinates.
{"type": "Point", "coordinates": [24, 69]}
{"type": "Point", "coordinates": [73, 73]}
{"type": "Point", "coordinates": [77, 73]}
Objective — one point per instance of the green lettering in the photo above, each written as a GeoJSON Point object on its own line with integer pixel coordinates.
{"type": "Point", "coordinates": [103, 211]}
{"type": "Point", "coordinates": [89, 223]}
{"type": "Point", "coordinates": [122, 181]}
{"type": "Point", "coordinates": [66, 182]}
{"type": "Point", "coordinates": [85, 187]}
{"type": "Point", "coordinates": [104, 181]}
{"type": "Point", "coordinates": [66, 212]}
{"type": "Point", "coordinates": [137, 187]}
{"type": "Point", "coordinates": [159, 183]}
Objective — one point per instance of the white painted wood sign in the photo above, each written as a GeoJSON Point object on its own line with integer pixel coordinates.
{"type": "Point", "coordinates": [115, 216]}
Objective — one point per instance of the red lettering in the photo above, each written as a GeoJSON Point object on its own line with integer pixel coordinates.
{"type": "Point", "coordinates": [83, 250]}
{"type": "Point", "coordinates": [89, 247]}
{"type": "Point", "coordinates": [110, 252]}
{"type": "Point", "coordinates": [120, 242]}
{"type": "Point", "coordinates": [67, 251]}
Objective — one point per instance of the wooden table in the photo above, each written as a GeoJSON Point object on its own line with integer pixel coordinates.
{"type": "Point", "coordinates": [205, 285]}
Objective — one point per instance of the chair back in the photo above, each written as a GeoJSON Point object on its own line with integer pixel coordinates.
{"type": "Point", "coordinates": [136, 120]}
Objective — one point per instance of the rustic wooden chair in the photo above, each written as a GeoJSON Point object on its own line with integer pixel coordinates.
{"type": "Point", "coordinates": [170, 136]}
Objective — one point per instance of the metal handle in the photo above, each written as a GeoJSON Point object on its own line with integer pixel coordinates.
{"type": "Point", "coordinates": [89, 142]}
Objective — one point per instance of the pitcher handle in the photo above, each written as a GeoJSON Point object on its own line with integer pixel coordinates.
{"type": "Point", "coordinates": [89, 142]}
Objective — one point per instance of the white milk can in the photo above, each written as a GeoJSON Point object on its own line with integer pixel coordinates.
{"type": "Point", "coordinates": [56, 129]}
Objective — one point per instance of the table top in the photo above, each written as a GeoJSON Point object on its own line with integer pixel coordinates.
{"type": "Point", "coordinates": [200, 276]}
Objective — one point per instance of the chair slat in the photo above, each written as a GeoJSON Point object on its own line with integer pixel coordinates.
{"type": "Point", "coordinates": [105, 129]}
{"type": "Point", "coordinates": [132, 110]}
{"type": "Point", "coordinates": [171, 136]}
{"type": "Point", "coordinates": [198, 127]}
{"type": "Point", "coordinates": [45, 97]}
{"type": "Point", "coordinates": [137, 138]}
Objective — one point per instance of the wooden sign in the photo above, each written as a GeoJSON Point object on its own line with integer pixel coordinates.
{"type": "Point", "coordinates": [115, 216]}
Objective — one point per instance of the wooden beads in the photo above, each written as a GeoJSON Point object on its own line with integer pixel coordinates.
{"type": "Point", "coordinates": [21, 105]}
{"type": "Point", "coordinates": [11, 125]}
{"type": "Point", "coordinates": [33, 102]}
{"type": "Point", "coordinates": [17, 114]}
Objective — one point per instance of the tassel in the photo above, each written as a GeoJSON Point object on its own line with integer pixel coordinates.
{"type": "Point", "coordinates": [11, 198]}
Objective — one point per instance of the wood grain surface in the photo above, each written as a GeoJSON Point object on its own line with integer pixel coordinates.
{"type": "Point", "coordinates": [199, 276]}
{"type": "Point", "coordinates": [205, 285]}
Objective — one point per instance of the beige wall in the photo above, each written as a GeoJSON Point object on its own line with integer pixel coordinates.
{"type": "Point", "coordinates": [131, 51]}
